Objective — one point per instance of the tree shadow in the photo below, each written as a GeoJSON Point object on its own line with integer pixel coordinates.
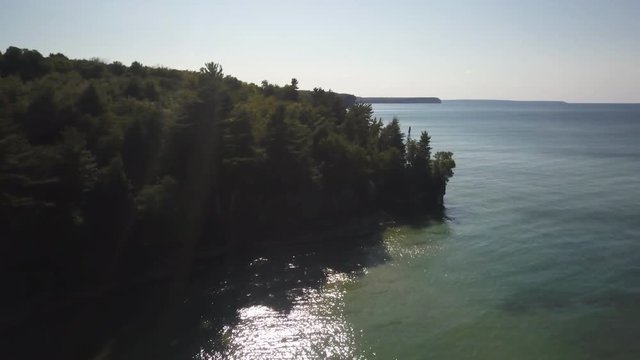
{"type": "Point", "coordinates": [420, 220]}
{"type": "Point", "coordinates": [273, 277]}
{"type": "Point", "coordinates": [140, 322]}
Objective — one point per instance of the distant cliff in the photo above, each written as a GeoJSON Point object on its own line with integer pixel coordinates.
{"type": "Point", "coordinates": [399, 100]}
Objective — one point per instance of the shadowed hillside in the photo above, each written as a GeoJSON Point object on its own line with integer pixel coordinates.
{"type": "Point", "coordinates": [111, 173]}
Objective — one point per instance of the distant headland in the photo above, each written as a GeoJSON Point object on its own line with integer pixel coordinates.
{"type": "Point", "coordinates": [399, 100]}
{"type": "Point", "coordinates": [350, 99]}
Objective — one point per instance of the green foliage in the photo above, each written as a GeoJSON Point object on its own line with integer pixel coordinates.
{"type": "Point", "coordinates": [28, 64]}
{"type": "Point", "coordinates": [137, 69]}
{"type": "Point", "coordinates": [156, 201]}
{"type": "Point", "coordinates": [444, 164]}
{"type": "Point", "coordinates": [286, 148]}
{"type": "Point", "coordinates": [77, 164]}
{"type": "Point", "coordinates": [141, 147]}
{"type": "Point", "coordinates": [117, 68]}
{"type": "Point", "coordinates": [357, 122]}
{"type": "Point", "coordinates": [103, 165]}
{"type": "Point", "coordinates": [93, 69]}
{"type": "Point", "coordinates": [40, 121]}
{"type": "Point", "coordinates": [392, 137]}
{"type": "Point", "coordinates": [212, 70]}
{"type": "Point", "coordinates": [91, 102]}
{"type": "Point", "coordinates": [343, 164]}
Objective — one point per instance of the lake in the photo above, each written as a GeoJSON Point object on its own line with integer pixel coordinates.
{"type": "Point", "coordinates": [539, 257]}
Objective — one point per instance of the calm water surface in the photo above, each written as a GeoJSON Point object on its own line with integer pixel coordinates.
{"type": "Point", "coordinates": [539, 259]}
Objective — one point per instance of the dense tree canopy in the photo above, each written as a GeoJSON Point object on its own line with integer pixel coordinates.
{"type": "Point", "coordinates": [105, 168]}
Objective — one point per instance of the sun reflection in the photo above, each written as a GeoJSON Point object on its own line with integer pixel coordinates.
{"type": "Point", "coordinates": [312, 324]}
{"type": "Point", "coordinates": [400, 243]}
{"type": "Point", "coordinates": [315, 327]}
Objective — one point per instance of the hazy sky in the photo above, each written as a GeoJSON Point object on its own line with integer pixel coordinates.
{"type": "Point", "coordinates": [573, 50]}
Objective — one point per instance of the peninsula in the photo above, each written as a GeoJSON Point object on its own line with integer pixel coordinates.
{"type": "Point", "coordinates": [112, 172]}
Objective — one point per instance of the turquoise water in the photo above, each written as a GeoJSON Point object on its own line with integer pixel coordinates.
{"type": "Point", "coordinates": [539, 257]}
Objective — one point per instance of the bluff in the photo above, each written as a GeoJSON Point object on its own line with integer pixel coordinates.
{"type": "Point", "coordinates": [111, 172]}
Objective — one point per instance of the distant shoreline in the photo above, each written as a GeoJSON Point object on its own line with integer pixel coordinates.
{"type": "Point", "coordinates": [399, 100]}
{"type": "Point", "coordinates": [435, 100]}
{"type": "Point", "coordinates": [490, 101]}
{"type": "Point", "coordinates": [426, 100]}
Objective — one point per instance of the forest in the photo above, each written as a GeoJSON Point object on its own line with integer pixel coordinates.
{"type": "Point", "coordinates": [110, 172]}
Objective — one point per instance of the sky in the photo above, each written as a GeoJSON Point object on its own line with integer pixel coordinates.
{"type": "Point", "coordinates": [571, 50]}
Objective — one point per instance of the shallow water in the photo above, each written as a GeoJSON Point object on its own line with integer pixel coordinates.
{"type": "Point", "coordinates": [539, 257]}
